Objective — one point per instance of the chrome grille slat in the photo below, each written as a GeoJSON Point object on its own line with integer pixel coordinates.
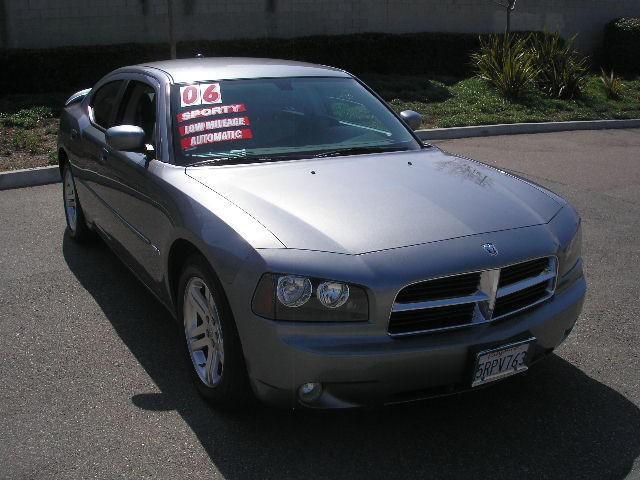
{"type": "Point", "coordinates": [520, 300]}
{"type": "Point", "coordinates": [523, 284]}
{"type": "Point", "coordinates": [521, 271]}
{"type": "Point", "coordinates": [438, 305]}
{"type": "Point", "coordinates": [405, 307]}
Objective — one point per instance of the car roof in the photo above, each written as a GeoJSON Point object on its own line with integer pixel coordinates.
{"type": "Point", "coordinates": [229, 68]}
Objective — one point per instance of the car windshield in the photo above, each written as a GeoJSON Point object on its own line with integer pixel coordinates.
{"type": "Point", "coordinates": [257, 120]}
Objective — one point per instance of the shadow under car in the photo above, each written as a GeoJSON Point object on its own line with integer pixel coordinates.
{"type": "Point", "coordinates": [552, 422]}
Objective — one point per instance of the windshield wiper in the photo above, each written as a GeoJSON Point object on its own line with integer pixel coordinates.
{"type": "Point", "coordinates": [237, 160]}
{"type": "Point", "coordinates": [358, 150]}
{"type": "Point", "coordinates": [217, 159]}
{"type": "Point", "coordinates": [220, 161]}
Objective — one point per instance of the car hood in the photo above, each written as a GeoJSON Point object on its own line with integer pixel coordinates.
{"type": "Point", "coordinates": [364, 203]}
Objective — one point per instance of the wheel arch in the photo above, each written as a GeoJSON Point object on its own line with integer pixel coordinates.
{"type": "Point", "coordinates": [180, 251]}
{"type": "Point", "coordinates": [240, 389]}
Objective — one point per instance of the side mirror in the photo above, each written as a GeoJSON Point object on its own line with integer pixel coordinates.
{"type": "Point", "coordinates": [413, 119]}
{"type": "Point", "coordinates": [125, 138]}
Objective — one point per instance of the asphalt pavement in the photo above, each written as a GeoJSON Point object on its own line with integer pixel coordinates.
{"type": "Point", "coordinates": [93, 385]}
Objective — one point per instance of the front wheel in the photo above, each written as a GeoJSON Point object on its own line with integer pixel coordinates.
{"type": "Point", "coordinates": [76, 224]}
{"type": "Point", "coordinates": [210, 338]}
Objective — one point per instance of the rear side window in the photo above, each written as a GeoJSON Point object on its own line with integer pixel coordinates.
{"type": "Point", "coordinates": [104, 103]}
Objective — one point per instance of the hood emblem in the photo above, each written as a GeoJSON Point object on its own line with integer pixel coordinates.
{"type": "Point", "coordinates": [490, 248]}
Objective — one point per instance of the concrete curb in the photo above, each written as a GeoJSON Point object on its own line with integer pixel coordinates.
{"type": "Point", "coordinates": [29, 177]}
{"type": "Point", "coordinates": [523, 128]}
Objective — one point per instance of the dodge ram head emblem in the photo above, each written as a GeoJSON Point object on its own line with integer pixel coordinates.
{"type": "Point", "coordinates": [490, 248]}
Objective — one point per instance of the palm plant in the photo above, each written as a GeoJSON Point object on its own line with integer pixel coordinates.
{"type": "Point", "coordinates": [562, 71]}
{"type": "Point", "coordinates": [613, 85]}
{"type": "Point", "coordinates": [506, 63]}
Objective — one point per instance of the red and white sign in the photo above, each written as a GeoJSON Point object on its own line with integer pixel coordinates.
{"type": "Point", "coordinates": [190, 95]}
{"type": "Point", "coordinates": [215, 137]}
{"type": "Point", "coordinates": [200, 93]}
{"type": "Point", "coordinates": [211, 111]}
{"type": "Point", "coordinates": [216, 124]}
{"type": "Point", "coordinates": [210, 93]}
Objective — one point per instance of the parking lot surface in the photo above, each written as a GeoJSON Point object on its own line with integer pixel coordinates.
{"type": "Point", "coordinates": [93, 384]}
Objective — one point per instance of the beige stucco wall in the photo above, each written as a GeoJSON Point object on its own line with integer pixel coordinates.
{"type": "Point", "coordinates": [51, 23]}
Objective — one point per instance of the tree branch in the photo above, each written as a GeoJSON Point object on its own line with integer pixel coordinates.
{"type": "Point", "coordinates": [172, 38]}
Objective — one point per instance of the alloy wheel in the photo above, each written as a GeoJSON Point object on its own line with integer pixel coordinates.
{"type": "Point", "coordinates": [70, 207]}
{"type": "Point", "coordinates": [203, 332]}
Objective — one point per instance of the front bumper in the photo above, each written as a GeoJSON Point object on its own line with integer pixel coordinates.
{"type": "Point", "coordinates": [366, 370]}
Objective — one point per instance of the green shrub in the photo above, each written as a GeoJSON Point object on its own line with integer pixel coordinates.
{"type": "Point", "coordinates": [506, 63]}
{"type": "Point", "coordinates": [18, 139]}
{"type": "Point", "coordinates": [26, 118]}
{"type": "Point", "coordinates": [613, 86]}
{"type": "Point", "coordinates": [622, 45]}
{"type": "Point", "coordinates": [68, 69]}
{"type": "Point", "coordinates": [25, 140]}
{"type": "Point", "coordinates": [562, 72]}
{"type": "Point", "coordinates": [31, 142]}
{"type": "Point", "coordinates": [5, 146]}
{"type": "Point", "coordinates": [52, 158]}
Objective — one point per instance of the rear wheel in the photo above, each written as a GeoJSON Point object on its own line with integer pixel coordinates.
{"type": "Point", "coordinates": [210, 338]}
{"type": "Point", "coordinates": [76, 224]}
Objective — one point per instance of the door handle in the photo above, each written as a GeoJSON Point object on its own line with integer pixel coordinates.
{"type": "Point", "coordinates": [74, 134]}
{"type": "Point", "coordinates": [104, 155]}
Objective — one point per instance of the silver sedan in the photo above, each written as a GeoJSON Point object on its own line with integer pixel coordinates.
{"type": "Point", "coordinates": [314, 252]}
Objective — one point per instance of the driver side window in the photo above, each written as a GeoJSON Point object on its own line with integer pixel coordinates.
{"type": "Point", "coordinates": [139, 108]}
{"type": "Point", "coordinates": [104, 103]}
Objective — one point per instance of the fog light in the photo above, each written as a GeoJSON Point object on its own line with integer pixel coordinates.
{"type": "Point", "coordinates": [310, 392]}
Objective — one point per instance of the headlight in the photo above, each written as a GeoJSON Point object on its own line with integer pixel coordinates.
{"type": "Point", "coordinates": [289, 297]}
{"type": "Point", "coordinates": [333, 294]}
{"type": "Point", "coordinates": [572, 253]}
{"type": "Point", "coordinates": [293, 291]}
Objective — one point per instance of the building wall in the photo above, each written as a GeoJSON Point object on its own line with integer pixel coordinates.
{"type": "Point", "coordinates": [53, 23]}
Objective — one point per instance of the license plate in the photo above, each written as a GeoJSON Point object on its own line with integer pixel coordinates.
{"type": "Point", "coordinates": [501, 362]}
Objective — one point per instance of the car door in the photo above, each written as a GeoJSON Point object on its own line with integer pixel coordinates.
{"type": "Point", "coordinates": [134, 194]}
{"type": "Point", "coordinates": [91, 167]}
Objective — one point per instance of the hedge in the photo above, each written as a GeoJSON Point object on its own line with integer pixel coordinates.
{"type": "Point", "coordinates": [622, 45]}
{"type": "Point", "coordinates": [68, 69]}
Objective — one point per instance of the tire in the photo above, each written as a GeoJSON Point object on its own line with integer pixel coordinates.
{"type": "Point", "coordinates": [73, 214]}
{"type": "Point", "coordinates": [211, 345]}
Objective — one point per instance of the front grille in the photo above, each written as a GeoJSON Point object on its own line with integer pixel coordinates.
{"type": "Point", "coordinates": [520, 299]}
{"type": "Point", "coordinates": [470, 299]}
{"type": "Point", "coordinates": [522, 271]}
{"type": "Point", "coordinates": [431, 318]}
{"type": "Point", "coordinates": [447, 287]}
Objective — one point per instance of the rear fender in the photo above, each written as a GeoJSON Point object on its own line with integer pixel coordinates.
{"type": "Point", "coordinates": [77, 97]}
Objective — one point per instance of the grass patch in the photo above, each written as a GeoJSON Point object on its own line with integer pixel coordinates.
{"type": "Point", "coordinates": [26, 118]}
{"type": "Point", "coordinates": [28, 130]}
{"type": "Point", "coordinates": [446, 102]}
